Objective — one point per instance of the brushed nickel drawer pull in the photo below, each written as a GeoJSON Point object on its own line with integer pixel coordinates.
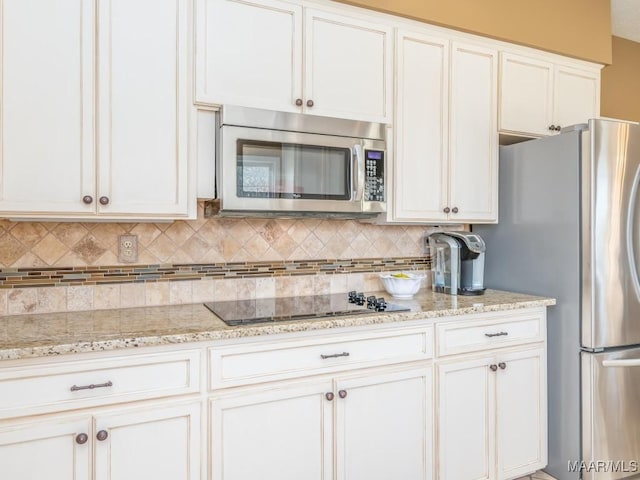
{"type": "Point", "coordinates": [335, 355]}
{"type": "Point", "coordinates": [499, 334]}
{"type": "Point", "coordinates": [75, 388]}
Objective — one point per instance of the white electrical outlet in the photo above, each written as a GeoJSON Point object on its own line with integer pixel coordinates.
{"type": "Point", "coordinates": [127, 248]}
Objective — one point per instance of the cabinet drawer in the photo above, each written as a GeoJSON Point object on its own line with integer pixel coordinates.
{"type": "Point", "coordinates": [493, 332]}
{"type": "Point", "coordinates": [275, 360]}
{"type": "Point", "coordinates": [39, 388]}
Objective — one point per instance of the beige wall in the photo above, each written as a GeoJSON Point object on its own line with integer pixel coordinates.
{"type": "Point", "coordinates": [620, 82]}
{"type": "Point", "coordinates": [577, 28]}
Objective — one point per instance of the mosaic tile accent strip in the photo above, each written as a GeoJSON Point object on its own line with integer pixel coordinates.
{"type": "Point", "coordinates": [83, 276]}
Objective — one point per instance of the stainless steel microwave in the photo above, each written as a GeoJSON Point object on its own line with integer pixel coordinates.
{"type": "Point", "coordinates": [280, 164]}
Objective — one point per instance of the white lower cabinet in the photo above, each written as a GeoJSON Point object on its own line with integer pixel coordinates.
{"type": "Point", "coordinates": [521, 412]}
{"type": "Point", "coordinates": [162, 443]}
{"type": "Point", "coordinates": [52, 443]}
{"type": "Point", "coordinates": [384, 425]}
{"type": "Point", "coordinates": [378, 423]}
{"type": "Point", "coordinates": [465, 420]}
{"type": "Point", "coordinates": [352, 404]}
{"type": "Point", "coordinates": [492, 416]}
{"type": "Point", "coordinates": [283, 433]}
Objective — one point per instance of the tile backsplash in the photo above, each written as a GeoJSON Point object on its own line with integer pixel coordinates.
{"type": "Point", "coordinates": [53, 267]}
{"type": "Point", "coordinates": [211, 240]}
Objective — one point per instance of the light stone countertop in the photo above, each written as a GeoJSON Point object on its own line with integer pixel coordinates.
{"type": "Point", "coordinates": [42, 335]}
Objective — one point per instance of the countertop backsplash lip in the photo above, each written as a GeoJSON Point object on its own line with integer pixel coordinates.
{"type": "Point", "coordinates": [38, 335]}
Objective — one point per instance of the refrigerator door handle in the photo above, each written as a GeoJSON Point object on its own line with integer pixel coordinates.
{"type": "Point", "coordinates": [626, 362]}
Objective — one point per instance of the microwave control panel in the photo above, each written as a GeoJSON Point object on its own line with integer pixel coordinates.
{"type": "Point", "coordinates": [374, 176]}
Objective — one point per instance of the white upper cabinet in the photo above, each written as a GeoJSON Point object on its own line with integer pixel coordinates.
{"type": "Point", "coordinates": [539, 97]}
{"type": "Point", "coordinates": [421, 156]}
{"type": "Point", "coordinates": [95, 122]}
{"type": "Point", "coordinates": [576, 96]}
{"type": "Point", "coordinates": [526, 87]}
{"type": "Point", "coordinates": [251, 54]}
{"type": "Point", "coordinates": [347, 67]}
{"type": "Point", "coordinates": [46, 106]}
{"type": "Point", "coordinates": [143, 102]}
{"type": "Point", "coordinates": [445, 165]}
{"type": "Point", "coordinates": [473, 138]}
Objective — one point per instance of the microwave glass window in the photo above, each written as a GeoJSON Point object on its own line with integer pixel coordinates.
{"type": "Point", "coordinates": [285, 170]}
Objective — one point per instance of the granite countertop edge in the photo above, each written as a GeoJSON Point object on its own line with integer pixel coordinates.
{"type": "Point", "coordinates": [34, 347]}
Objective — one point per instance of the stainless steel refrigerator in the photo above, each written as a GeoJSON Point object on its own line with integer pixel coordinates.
{"type": "Point", "coordinates": [569, 228]}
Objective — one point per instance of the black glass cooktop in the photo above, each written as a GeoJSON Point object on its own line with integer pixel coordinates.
{"type": "Point", "coordinates": [264, 310]}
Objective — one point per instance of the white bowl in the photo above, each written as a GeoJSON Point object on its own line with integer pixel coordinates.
{"type": "Point", "coordinates": [402, 287]}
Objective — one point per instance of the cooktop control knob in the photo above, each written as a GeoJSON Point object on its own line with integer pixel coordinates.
{"type": "Point", "coordinates": [381, 304]}
{"type": "Point", "coordinates": [371, 302]}
{"type": "Point", "coordinates": [357, 298]}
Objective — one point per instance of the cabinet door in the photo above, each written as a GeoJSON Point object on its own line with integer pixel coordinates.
{"type": "Point", "coordinates": [576, 96]}
{"type": "Point", "coordinates": [249, 53]}
{"type": "Point", "coordinates": [473, 135]}
{"type": "Point", "coordinates": [421, 165]}
{"type": "Point", "coordinates": [142, 100]}
{"type": "Point", "coordinates": [281, 434]}
{"type": "Point", "coordinates": [384, 426]}
{"type": "Point", "coordinates": [46, 106]}
{"type": "Point", "coordinates": [47, 449]}
{"type": "Point", "coordinates": [525, 95]}
{"type": "Point", "coordinates": [466, 417]}
{"type": "Point", "coordinates": [162, 443]}
{"type": "Point", "coordinates": [521, 407]}
{"type": "Point", "coordinates": [347, 67]}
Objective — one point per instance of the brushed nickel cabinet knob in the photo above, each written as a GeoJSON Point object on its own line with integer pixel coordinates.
{"type": "Point", "coordinates": [88, 199]}
{"type": "Point", "coordinates": [446, 209]}
{"type": "Point", "coordinates": [298, 102]}
{"type": "Point", "coordinates": [329, 396]}
{"type": "Point", "coordinates": [309, 103]}
{"type": "Point", "coordinates": [493, 367]}
{"type": "Point", "coordinates": [342, 393]}
{"type": "Point", "coordinates": [102, 435]}
{"type": "Point", "coordinates": [502, 365]}
{"type": "Point", "coordinates": [454, 209]}
{"type": "Point", "coordinates": [104, 200]}
{"type": "Point", "coordinates": [82, 438]}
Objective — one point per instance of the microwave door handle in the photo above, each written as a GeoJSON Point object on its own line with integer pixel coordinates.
{"type": "Point", "coordinates": [358, 171]}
